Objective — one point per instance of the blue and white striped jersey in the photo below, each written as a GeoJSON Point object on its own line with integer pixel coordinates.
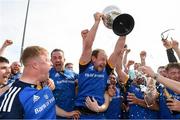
{"type": "Point", "coordinates": [24, 101]}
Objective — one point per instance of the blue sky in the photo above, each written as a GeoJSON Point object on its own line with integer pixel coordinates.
{"type": "Point", "coordinates": [58, 23]}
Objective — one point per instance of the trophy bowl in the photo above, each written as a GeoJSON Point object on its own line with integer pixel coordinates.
{"type": "Point", "coordinates": [121, 24]}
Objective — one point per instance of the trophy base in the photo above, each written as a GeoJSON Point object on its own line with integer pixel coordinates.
{"type": "Point", "coordinates": [123, 24]}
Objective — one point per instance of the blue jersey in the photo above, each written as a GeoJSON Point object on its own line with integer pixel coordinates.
{"type": "Point", "coordinates": [91, 83]}
{"type": "Point", "coordinates": [114, 109]}
{"type": "Point", "coordinates": [24, 101]}
{"type": "Point", "coordinates": [14, 77]}
{"type": "Point", "coordinates": [138, 112]}
{"type": "Point", "coordinates": [164, 111]}
{"type": "Point", "coordinates": [64, 92]}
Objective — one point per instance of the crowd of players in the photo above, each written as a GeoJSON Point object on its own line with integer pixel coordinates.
{"type": "Point", "coordinates": [105, 87]}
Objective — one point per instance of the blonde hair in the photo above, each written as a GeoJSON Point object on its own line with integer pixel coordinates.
{"type": "Point", "coordinates": [32, 52]}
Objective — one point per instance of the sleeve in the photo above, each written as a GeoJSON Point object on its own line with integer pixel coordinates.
{"type": "Point", "coordinates": [11, 108]}
{"type": "Point", "coordinates": [128, 83]}
{"type": "Point", "coordinates": [109, 69]}
{"type": "Point", "coordinates": [76, 76]}
{"type": "Point", "coordinates": [82, 68]}
{"type": "Point", "coordinates": [171, 56]}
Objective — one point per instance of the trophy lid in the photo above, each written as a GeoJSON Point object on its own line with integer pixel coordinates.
{"type": "Point", "coordinates": [111, 8]}
{"type": "Point", "coordinates": [110, 13]}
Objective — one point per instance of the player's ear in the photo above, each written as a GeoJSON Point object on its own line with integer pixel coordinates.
{"type": "Point", "coordinates": [93, 58]}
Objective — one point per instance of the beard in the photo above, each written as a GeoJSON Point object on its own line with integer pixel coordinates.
{"type": "Point", "coordinates": [15, 71]}
{"type": "Point", "coordinates": [58, 66]}
{"type": "Point", "coordinates": [100, 67]}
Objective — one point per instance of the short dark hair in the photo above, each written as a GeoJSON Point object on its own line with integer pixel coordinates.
{"type": "Point", "coordinates": [68, 64]}
{"type": "Point", "coordinates": [96, 51]}
{"type": "Point", "coordinates": [57, 50]}
{"type": "Point", "coordinates": [3, 59]}
{"type": "Point", "coordinates": [161, 67]}
{"type": "Point", "coordinates": [173, 65]}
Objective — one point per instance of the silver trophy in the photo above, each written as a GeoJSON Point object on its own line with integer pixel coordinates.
{"type": "Point", "coordinates": [151, 94]}
{"type": "Point", "coordinates": [121, 24]}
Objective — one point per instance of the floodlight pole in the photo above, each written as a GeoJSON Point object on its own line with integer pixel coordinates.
{"type": "Point", "coordinates": [24, 31]}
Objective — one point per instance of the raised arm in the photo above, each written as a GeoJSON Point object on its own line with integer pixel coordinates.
{"type": "Point", "coordinates": [5, 44]}
{"type": "Point", "coordinates": [143, 58]}
{"type": "Point", "coordinates": [123, 77]}
{"type": "Point", "coordinates": [172, 84]}
{"type": "Point", "coordinates": [125, 58]}
{"type": "Point", "coordinates": [125, 55]}
{"type": "Point", "coordinates": [130, 62]}
{"type": "Point", "coordinates": [113, 59]}
{"type": "Point", "coordinates": [88, 40]}
{"type": "Point", "coordinates": [170, 53]}
{"type": "Point", "coordinates": [175, 46]}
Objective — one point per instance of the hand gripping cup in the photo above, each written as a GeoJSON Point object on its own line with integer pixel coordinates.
{"type": "Point", "coordinates": [121, 24]}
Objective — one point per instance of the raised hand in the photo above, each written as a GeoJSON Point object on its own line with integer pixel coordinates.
{"type": "Point", "coordinates": [143, 54]}
{"type": "Point", "coordinates": [130, 62]}
{"type": "Point", "coordinates": [175, 44]}
{"type": "Point", "coordinates": [128, 51]}
{"type": "Point", "coordinates": [98, 16]}
{"type": "Point", "coordinates": [167, 44]}
{"type": "Point", "coordinates": [84, 33]}
{"type": "Point", "coordinates": [7, 43]}
{"type": "Point", "coordinates": [147, 70]}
